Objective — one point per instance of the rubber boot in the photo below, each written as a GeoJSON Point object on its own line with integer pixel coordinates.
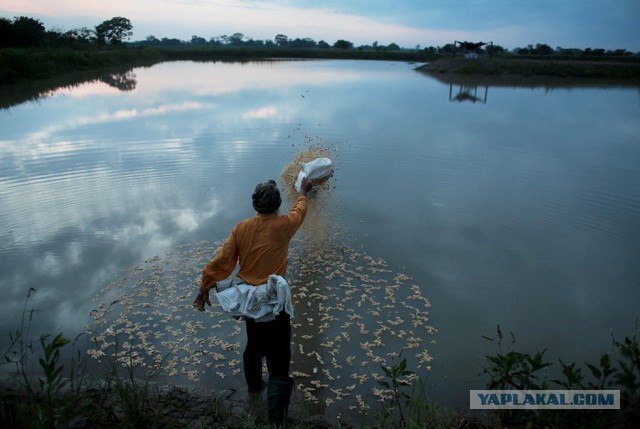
{"type": "Point", "coordinates": [278, 396]}
{"type": "Point", "coordinates": [253, 402]}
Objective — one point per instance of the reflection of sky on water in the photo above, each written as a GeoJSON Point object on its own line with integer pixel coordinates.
{"type": "Point", "coordinates": [117, 138]}
{"type": "Point", "coordinates": [522, 211]}
{"type": "Point", "coordinates": [94, 179]}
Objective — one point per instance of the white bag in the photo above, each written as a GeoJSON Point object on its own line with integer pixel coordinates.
{"type": "Point", "coordinates": [261, 303]}
{"type": "Point", "coordinates": [317, 169]}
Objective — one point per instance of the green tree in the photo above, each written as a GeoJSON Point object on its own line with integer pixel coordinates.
{"type": "Point", "coordinates": [173, 42]}
{"type": "Point", "coordinates": [302, 43]}
{"type": "Point", "coordinates": [448, 48]}
{"type": "Point", "coordinates": [198, 41]}
{"type": "Point", "coordinates": [253, 42]}
{"type": "Point", "coordinates": [152, 40]}
{"type": "Point", "coordinates": [343, 44]}
{"type": "Point", "coordinates": [494, 49]}
{"type": "Point", "coordinates": [543, 49]}
{"type": "Point", "coordinates": [236, 39]}
{"type": "Point", "coordinates": [114, 31]}
{"type": "Point", "coordinates": [28, 31]}
{"type": "Point", "coordinates": [281, 40]}
{"type": "Point", "coordinates": [620, 53]}
{"type": "Point", "coordinates": [6, 33]}
{"type": "Point", "coordinates": [83, 35]}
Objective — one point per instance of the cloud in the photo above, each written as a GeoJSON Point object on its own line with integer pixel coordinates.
{"type": "Point", "coordinates": [258, 20]}
{"type": "Point", "coordinates": [41, 147]}
{"type": "Point", "coordinates": [608, 24]}
{"type": "Point", "coordinates": [261, 113]}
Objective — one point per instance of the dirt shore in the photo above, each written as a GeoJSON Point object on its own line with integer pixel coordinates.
{"type": "Point", "coordinates": [165, 406]}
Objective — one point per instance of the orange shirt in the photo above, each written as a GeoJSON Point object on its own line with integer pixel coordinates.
{"type": "Point", "coordinates": [260, 244]}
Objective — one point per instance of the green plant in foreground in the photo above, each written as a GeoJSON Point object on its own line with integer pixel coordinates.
{"type": "Point", "coordinates": [515, 370]}
{"type": "Point", "coordinates": [131, 379]}
{"type": "Point", "coordinates": [52, 383]}
{"type": "Point", "coordinates": [415, 409]}
{"type": "Point", "coordinates": [45, 396]}
{"type": "Point", "coordinates": [512, 369]}
{"type": "Point", "coordinates": [21, 347]}
{"type": "Point", "coordinates": [397, 375]}
{"type": "Point", "coordinates": [628, 375]}
{"type": "Point", "coordinates": [126, 400]}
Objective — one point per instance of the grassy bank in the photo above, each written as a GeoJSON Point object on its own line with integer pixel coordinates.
{"type": "Point", "coordinates": [127, 397]}
{"type": "Point", "coordinates": [31, 64]}
{"type": "Point", "coordinates": [21, 65]}
{"type": "Point", "coordinates": [28, 64]}
{"type": "Point", "coordinates": [47, 391]}
{"type": "Point", "coordinates": [624, 69]}
{"type": "Point", "coordinates": [27, 74]}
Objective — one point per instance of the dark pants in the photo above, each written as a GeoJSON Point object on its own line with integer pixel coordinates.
{"type": "Point", "coordinates": [271, 340]}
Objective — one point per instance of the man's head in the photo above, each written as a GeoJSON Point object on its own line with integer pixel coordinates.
{"type": "Point", "coordinates": [266, 197]}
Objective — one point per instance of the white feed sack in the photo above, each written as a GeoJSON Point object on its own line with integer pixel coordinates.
{"type": "Point", "coordinates": [318, 169]}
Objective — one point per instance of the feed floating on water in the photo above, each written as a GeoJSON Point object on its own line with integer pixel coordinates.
{"type": "Point", "coordinates": [353, 313]}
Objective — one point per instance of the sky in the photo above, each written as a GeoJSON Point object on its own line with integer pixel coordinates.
{"type": "Point", "coordinates": [608, 24]}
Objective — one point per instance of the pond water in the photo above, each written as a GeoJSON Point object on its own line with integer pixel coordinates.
{"type": "Point", "coordinates": [517, 206]}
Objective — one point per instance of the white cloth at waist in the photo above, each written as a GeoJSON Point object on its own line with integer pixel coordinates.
{"type": "Point", "coordinates": [262, 303]}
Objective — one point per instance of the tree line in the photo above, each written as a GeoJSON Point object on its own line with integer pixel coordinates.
{"type": "Point", "coordinates": [24, 32]}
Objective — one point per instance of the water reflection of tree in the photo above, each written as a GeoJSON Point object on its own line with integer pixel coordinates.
{"type": "Point", "coordinates": [13, 95]}
{"type": "Point", "coordinates": [468, 93]}
{"type": "Point", "coordinates": [124, 81]}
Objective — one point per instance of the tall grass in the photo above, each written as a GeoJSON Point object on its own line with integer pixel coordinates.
{"type": "Point", "coordinates": [42, 395]}
{"type": "Point", "coordinates": [618, 369]}
{"type": "Point", "coordinates": [26, 64]}
{"type": "Point", "coordinates": [49, 392]}
{"type": "Point", "coordinates": [48, 395]}
{"type": "Point", "coordinates": [408, 405]}
{"type": "Point", "coordinates": [20, 65]}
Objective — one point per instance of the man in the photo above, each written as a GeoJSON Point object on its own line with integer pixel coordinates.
{"type": "Point", "coordinates": [260, 244]}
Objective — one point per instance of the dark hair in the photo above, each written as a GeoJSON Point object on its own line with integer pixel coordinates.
{"type": "Point", "coordinates": [266, 197]}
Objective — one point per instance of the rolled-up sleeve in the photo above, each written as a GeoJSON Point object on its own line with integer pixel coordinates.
{"type": "Point", "coordinates": [222, 265]}
{"type": "Point", "coordinates": [296, 215]}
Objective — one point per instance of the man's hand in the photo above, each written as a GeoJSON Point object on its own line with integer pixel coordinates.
{"type": "Point", "coordinates": [305, 186]}
{"type": "Point", "coordinates": [201, 300]}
